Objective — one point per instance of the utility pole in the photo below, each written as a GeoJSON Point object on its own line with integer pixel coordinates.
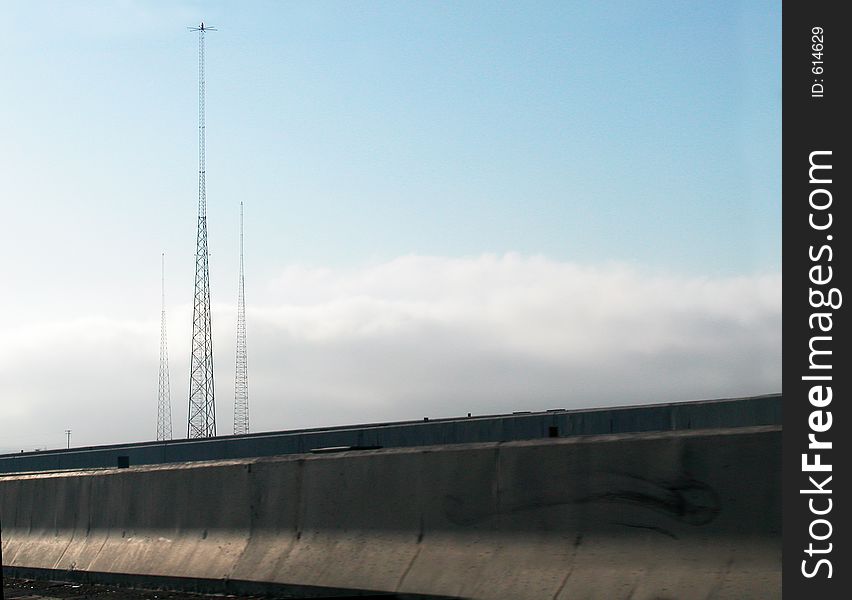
{"type": "Point", "coordinates": [202, 405]}
{"type": "Point", "coordinates": [164, 400]}
{"type": "Point", "coordinates": [241, 407]}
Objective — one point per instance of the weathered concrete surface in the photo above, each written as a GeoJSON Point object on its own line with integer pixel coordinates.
{"type": "Point", "coordinates": [642, 516]}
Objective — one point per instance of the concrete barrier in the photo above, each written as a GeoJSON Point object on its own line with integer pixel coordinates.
{"type": "Point", "coordinates": [721, 413]}
{"type": "Point", "coordinates": [675, 515]}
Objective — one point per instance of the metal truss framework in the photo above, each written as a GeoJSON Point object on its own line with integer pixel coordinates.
{"type": "Point", "coordinates": [202, 405]}
{"type": "Point", "coordinates": [241, 405]}
{"type": "Point", "coordinates": [164, 401]}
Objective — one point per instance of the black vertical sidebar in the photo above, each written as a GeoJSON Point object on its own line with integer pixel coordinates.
{"type": "Point", "coordinates": [817, 225]}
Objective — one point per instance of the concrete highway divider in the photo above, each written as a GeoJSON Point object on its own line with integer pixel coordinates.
{"type": "Point", "coordinates": [653, 516]}
{"type": "Point", "coordinates": [751, 411]}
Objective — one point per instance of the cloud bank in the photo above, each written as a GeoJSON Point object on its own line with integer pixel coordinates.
{"type": "Point", "coordinates": [416, 336]}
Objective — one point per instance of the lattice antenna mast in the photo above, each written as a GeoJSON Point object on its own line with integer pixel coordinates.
{"type": "Point", "coordinates": [202, 406]}
{"type": "Point", "coordinates": [164, 401]}
{"type": "Point", "coordinates": [241, 406]}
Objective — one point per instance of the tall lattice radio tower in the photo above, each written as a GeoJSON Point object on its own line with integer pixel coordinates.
{"type": "Point", "coordinates": [241, 406]}
{"type": "Point", "coordinates": [164, 401]}
{"type": "Point", "coordinates": [202, 405]}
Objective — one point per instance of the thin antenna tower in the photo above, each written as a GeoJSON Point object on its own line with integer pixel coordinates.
{"type": "Point", "coordinates": [164, 400]}
{"type": "Point", "coordinates": [241, 408]}
{"type": "Point", "coordinates": [202, 406]}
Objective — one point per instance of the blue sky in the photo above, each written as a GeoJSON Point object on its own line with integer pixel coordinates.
{"type": "Point", "coordinates": [590, 133]}
{"type": "Point", "coordinates": [354, 131]}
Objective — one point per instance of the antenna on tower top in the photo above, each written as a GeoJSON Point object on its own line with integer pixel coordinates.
{"type": "Point", "coordinates": [202, 27]}
{"type": "Point", "coordinates": [202, 405]}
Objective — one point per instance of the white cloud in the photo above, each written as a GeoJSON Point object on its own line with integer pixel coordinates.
{"type": "Point", "coordinates": [412, 337]}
